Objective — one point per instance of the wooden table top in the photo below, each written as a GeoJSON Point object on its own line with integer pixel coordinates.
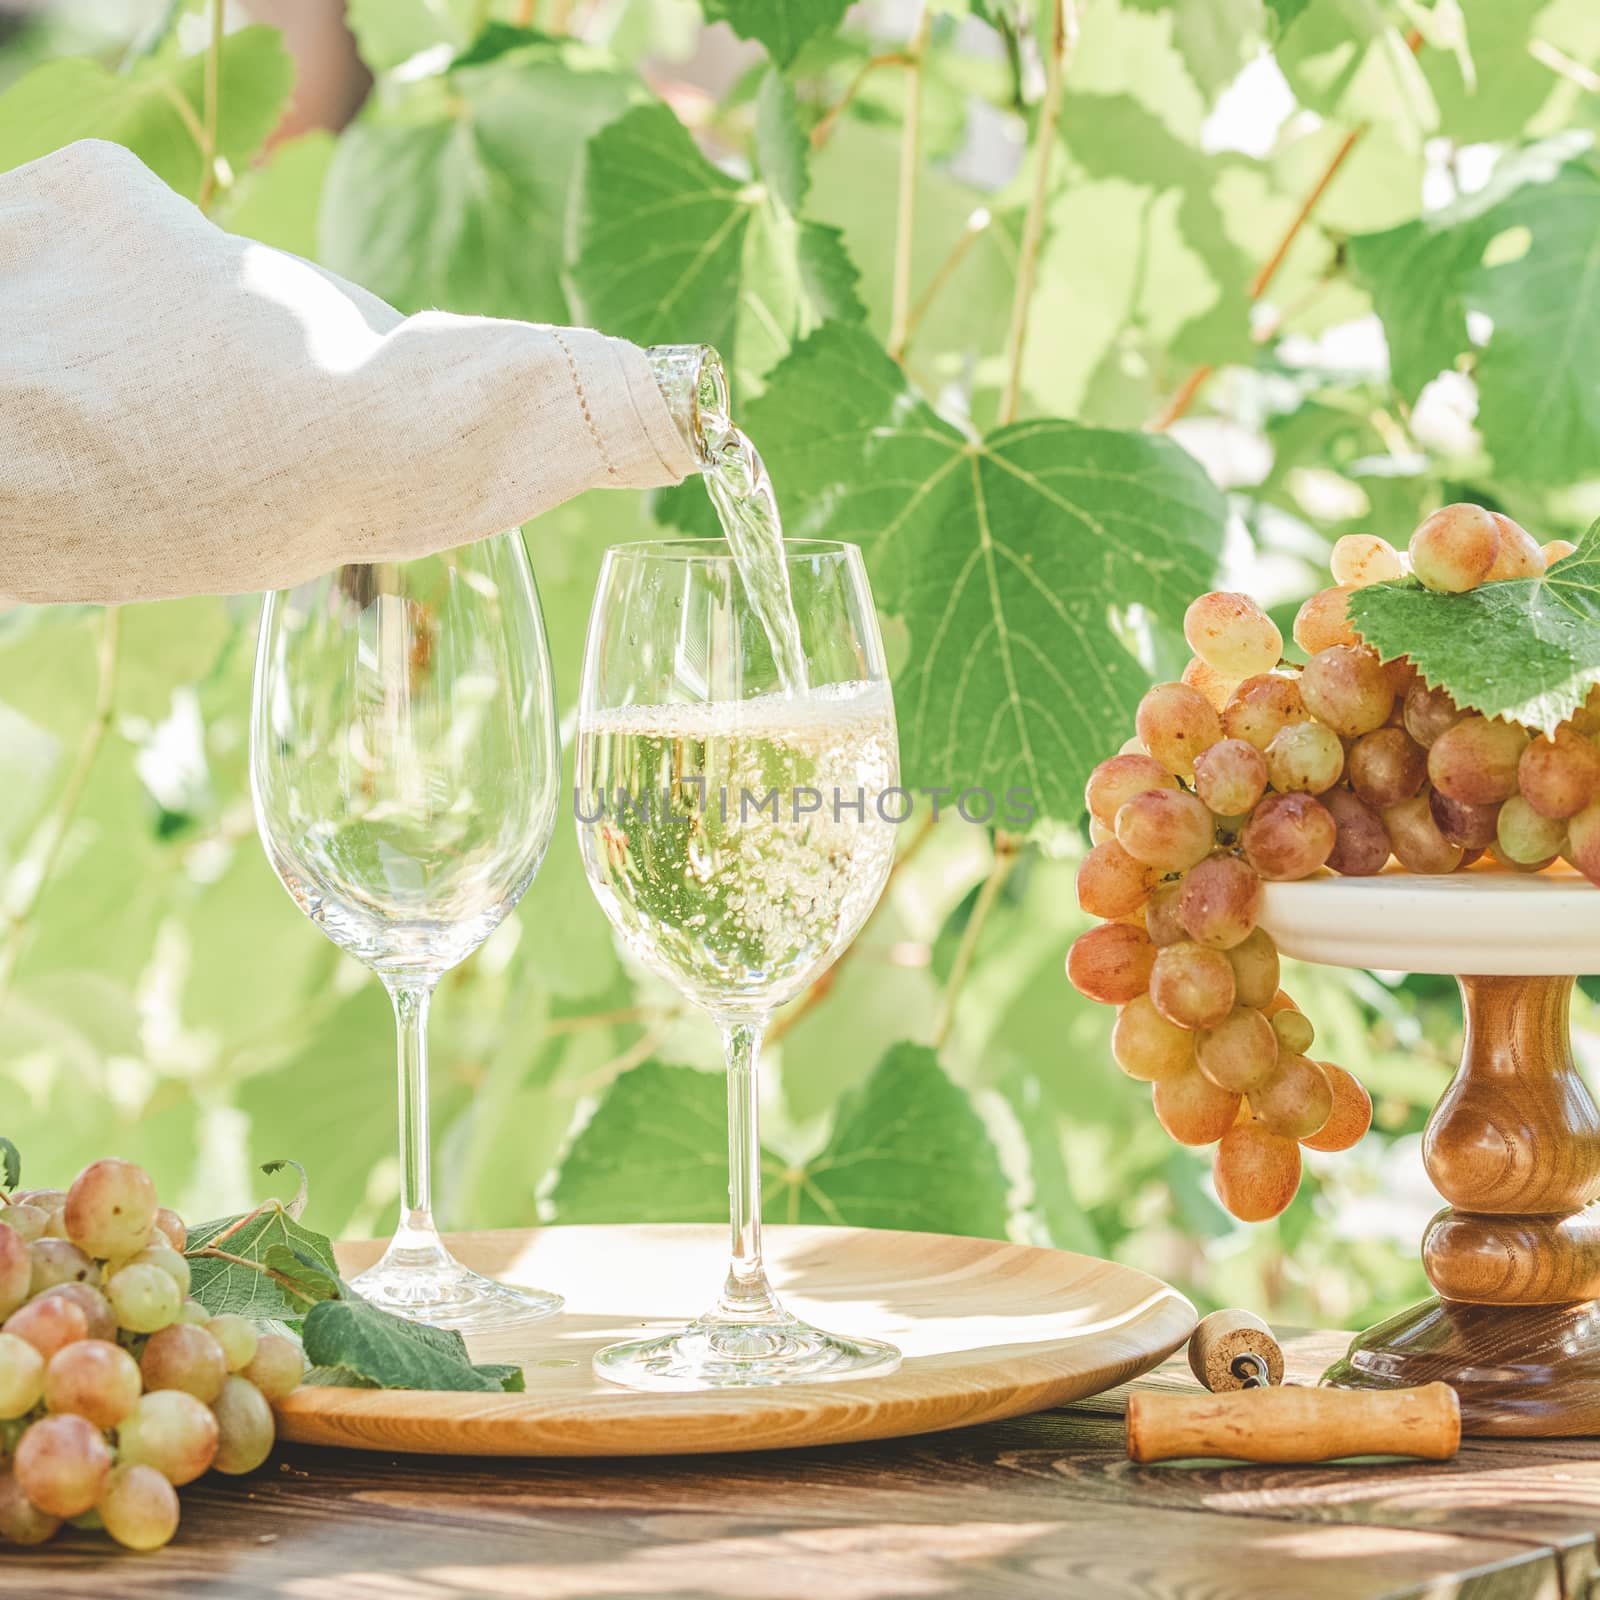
{"type": "Point", "coordinates": [1044, 1506]}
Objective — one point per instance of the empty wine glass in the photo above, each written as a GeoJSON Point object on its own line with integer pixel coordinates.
{"type": "Point", "coordinates": [405, 766]}
{"type": "Point", "coordinates": [737, 836]}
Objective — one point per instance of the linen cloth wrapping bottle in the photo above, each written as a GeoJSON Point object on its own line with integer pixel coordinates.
{"type": "Point", "coordinates": [184, 411]}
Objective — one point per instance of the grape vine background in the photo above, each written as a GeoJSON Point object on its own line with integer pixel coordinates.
{"type": "Point", "coordinates": [1066, 310]}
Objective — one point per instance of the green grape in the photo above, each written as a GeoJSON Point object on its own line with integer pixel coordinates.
{"type": "Point", "coordinates": [1220, 902]}
{"type": "Point", "coordinates": [192, 1311]}
{"type": "Point", "coordinates": [93, 1379]}
{"type": "Point", "coordinates": [1476, 761]}
{"type": "Point", "coordinates": [1230, 777]}
{"type": "Point", "coordinates": [62, 1463]}
{"type": "Point", "coordinates": [1361, 846]}
{"type": "Point", "coordinates": [1115, 782]}
{"type": "Point", "coordinates": [1305, 757]}
{"type": "Point", "coordinates": [184, 1357]}
{"type": "Point", "coordinates": [280, 1363]}
{"type": "Point", "coordinates": [1387, 766]}
{"type": "Point", "coordinates": [1454, 550]}
{"type": "Point", "coordinates": [1296, 1101]}
{"type": "Point", "coordinates": [1347, 688]}
{"type": "Point", "coordinates": [1143, 1043]}
{"type": "Point", "coordinates": [1560, 775]}
{"type": "Point", "coordinates": [1175, 723]}
{"type": "Point", "coordinates": [1288, 836]}
{"type": "Point", "coordinates": [1192, 1109]}
{"type": "Point", "coordinates": [1255, 969]}
{"type": "Point", "coordinates": [145, 1298]}
{"type": "Point", "coordinates": [110, 1208]}
{"type": "Point", "coordinates": [1517, 552]}
{"type": "Point", "coordinates": [172, 1432]}
{"type": "Point", "coordinates": [170, 1261]}
{"type": "Point", "coordinates": [1415, 838]}
{"type": "Point", "coordinates": [245, 1427]}
{"type": "Point", "coordinates": [59, 1261]}
{"type": "Point", "coordinates": [1111, 964]}
{"type": "Point", "coordinates": [1240, 1053]}
{"type": "Point", "coordinates": [1293, 1031]}
{"type": "Point", "coordinates": [1428, 713]}
{"type": "Point", "coordinates": [1261, 706]}
{"type": "Point", "coordinates": [21, 1377]}
{"type": "Point", "coordinates": [1256, 1172]}
{"type": "Point", "coordinates": [1471, 827]}
{"type": "Point", "coordinates": [1111, 883]}
{"type": "Point", "coordinates": [100, 1323]}
{"type": "Point", "coordinates": [25, 1220]}
{"type": "Point", "coordinates": [1191, 985]}
{"type": "Point", "coordinates": [1168, 829]}
{"type": "Point", "coordinates": [1360, 559]}
{"type": "Point", "coordinates": [48, 1323]}
{"type": "Point", "coordinates": [1232, 634]}
{"type": "Point", "coordinates": [1324, 620]}
{"type": "Point", "coordinates": [237, 1338]}
{"type": "Point", "coordinates": [1527, 838]}
{"type": "Point", "coordinates": [22, 1522]}
{"type": "Point", "coordinates": [16, 1270]}
{"type": "Point", "coordinates": [139, 1508]}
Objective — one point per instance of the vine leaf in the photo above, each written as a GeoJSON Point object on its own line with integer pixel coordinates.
{"type": "Point", "coordinates": [1521, 252]}
{"type": "Point", "coordinates": [295, 1207]}
{"type": "Point", "coordinates": [221, 1285]}
{"type": "Point", "coordinates": [781, 26]}
{"type": "Point", "coordinates": [660, 1137]}
{"type": "Point", "coordinates": [1013, 560]}
{"type": "Point", "coordinates": [1527, 648]}
{"type": "Point", "coordinates": [10, 1165]}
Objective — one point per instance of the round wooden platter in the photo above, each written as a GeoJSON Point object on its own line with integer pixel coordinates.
{"type": "Point", "coordinates": [988, 1329]}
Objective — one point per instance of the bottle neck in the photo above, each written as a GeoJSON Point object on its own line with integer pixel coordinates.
{"type": "Point", "coordinates": [694, 385]}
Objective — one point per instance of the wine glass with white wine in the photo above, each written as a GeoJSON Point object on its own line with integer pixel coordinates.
{"type": "Point", "coordinates": [405, 765]}
{"type": "Point", "coordinates": [735, 826]}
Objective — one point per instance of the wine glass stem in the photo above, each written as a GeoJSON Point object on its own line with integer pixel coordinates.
{"type": "Point", "coordinates": [416, 1186]}
{"type": "Point", "coordinates": [746, 1294]}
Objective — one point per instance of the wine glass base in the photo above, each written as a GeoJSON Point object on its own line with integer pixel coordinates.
{"type": "Point", "coordinates": [715, 1354]}
{"type": "Point", "coordinates": [448, 1295]}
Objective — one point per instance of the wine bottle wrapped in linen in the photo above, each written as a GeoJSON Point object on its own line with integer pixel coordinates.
{"type": "Point", "coordinates": [184, 411]}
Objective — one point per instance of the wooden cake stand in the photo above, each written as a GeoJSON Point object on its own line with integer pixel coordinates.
{"type": "Point", "coordinates": [1513, 1145]}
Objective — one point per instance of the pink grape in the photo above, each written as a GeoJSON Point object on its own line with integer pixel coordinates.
{"type": "Point", "coordinates": [62, 1463]}
{"type": "Point", "coordinates": [93, 1379]}
{"type": "Point", "coordinates": [1261, 706]}
{"type": "Point", "coordinates": [1583, 841]}
{"type": "Point", "coordinates": [1111, 883]}
{"type": "Point", "coordinates": [1163, 919]}
{"type": "Point", "coordinates": [1554, 550]}
{"type": "Point", "coordinates": [59, 1261]}
{"type": "Point", "coordinates": [100, 1322]}
{"type": "Point", "coordinates": [172, 1432]}
{"type": "Point", "coordinates": [1230, 777]}
{"type": "Point", "coordinates": [1558, 776]}
{"type": "Point", "coordinates": [1387, 766]}
{"type": "Point", "coordinates": [1256, 1172]}
{"type": "Point", "coordinates": [1192, 1109]}
{"type": "Point", "coordinates": [16, 1271]}
{"type": "Point", "coordinates": [1324, 620]}
{"type": "Point", "coordinates": [139, 1508]}
{"type": "Point", "coordinates": [171, 1227]}
{"type": "Point", "coordinates": [1347, 688]}
{"type": "Point", "coordinates": [1415, 838]}
{"type": "Point", "coordinates": [1429, 712]}
{"type": "Point", "coordinates": [1361, 846]}
{"type": "Point", "coordinates": [1351, 1115]}
{"type": "Point", "coordinates": [110, 1208]}
{"type": "Point", "coordinates": [1168, 829]}
{"type": "Point", "coordinates": [1111, 964]}
{"type": "Point", "coordinates": [1288, 836]}
{"type": "Point", "coordinates": [1471, 827]}
{"type": "Point", "coordinates": [1296, 1101]}
{"type": "Point", "coordinates": [26, 1220]}
{"type": "Point", "coordinates": [1232, 634]}
{"type": "Point", "coordinates": [184, 1357]}
{"type": "Point", "coordinates": [1255, 969]}
{"type": "Point", "coordinates": [1220, 902]}
{"type": "Point", "coordinates": [1455, 549]}
{"type": "Point", "coordinates": [1143, 1043]}
{"type": "Point", "coordinates": [21, 1521]}
{"type": "Point", "coordinates": [1191, 985]}
{"type": "Point", "coordinates": [1517, 555]}
{"type": "Point", "coordinates": [1360, 559]}
{"type": "Point", "coordinates": [1115, 782]}
{"type": "Point", "coordinates": [1305, 757]}
{"type": "Point", "coordinates": [1175, 723]}
{"type": "Point", "coordinates": [1215, 686]}
{"type": "Point", "coordinates": [48, 1323]}
{"type": "Point", "coordinates": [1476, 761]}
{"type": "Point", "coordinates": [1240, 1053]}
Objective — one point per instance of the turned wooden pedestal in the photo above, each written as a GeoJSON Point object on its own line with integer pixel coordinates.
{"type": "Point", "coordinates": [1513, 1146]}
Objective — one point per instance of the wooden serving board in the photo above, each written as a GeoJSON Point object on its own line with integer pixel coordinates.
{"type": "Point", "coordinates": [989, 1330]}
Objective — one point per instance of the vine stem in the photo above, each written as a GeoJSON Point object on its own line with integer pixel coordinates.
{"type": "Point", "coordinates": [977, 226]}
{"type": "Point", "coordinates": [283, 1280]}
{"type": "Point", "coordinates": [1186, 391]}
{"type": "Point", "coordinates": [94, 736]}
{"type": "Point", "coordinates": [906, 204]}
{"type": "Point", "coordinates": [213, 102]}
{"type": "Point", "coordinates": [1063, 35]}
{"type": "Point", "coordinates": [524, 13]}
{"type": "Point", "coordinates": [829, 118]}
{"type": "Point", "coordinates": [1007, 852]}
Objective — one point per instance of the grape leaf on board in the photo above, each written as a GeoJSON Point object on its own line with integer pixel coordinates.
{"type": "Point", "coordinates": [226, 1286]}
{"type": "Point", "coordinates": [76, 98]}
{"type": "Point", "coordinates": [1539, 411]}
{"type": "Point", "coordinates": [1527, 648]}
{"type": "Point", "coordinates": [782, 26]}
{"type": "Point", "coordinates": [671, 250]}
{"type": "Point", "coordinates": [455, 196]}
{"type": "Point", "coordinates": [660, 1138]}
{"type": "Point", "coordinates": [1007, 557]}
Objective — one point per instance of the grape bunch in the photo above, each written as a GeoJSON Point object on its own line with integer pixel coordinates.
{"type": "Point", "coordinates": [116, 1389]}
{"type": "Point", "coordinates": [1248, 769]}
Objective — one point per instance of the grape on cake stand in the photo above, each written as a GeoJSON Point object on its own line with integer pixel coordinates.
{"type": "Point", "coordinates": [1513, 1146]}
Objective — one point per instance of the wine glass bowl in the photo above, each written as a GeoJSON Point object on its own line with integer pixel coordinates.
{"type": "Point", "coordinates": [737, 831]}
{"type": "Point", "coordinates": [405, 768]}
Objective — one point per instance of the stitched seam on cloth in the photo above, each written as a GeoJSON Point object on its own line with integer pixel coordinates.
{"type": "Point", "coordinates": [583, 401]}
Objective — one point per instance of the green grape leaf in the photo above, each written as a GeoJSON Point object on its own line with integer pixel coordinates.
{"type": "Point", "coordinates": [1527, 648]}
{"type": "Point", "coordinates": [455, 196]}
{"type": "Point", "coordinates": [310, 1276]}
{"type": "Point", "coordinates": [391, 31]}
{"type": "Point", "coordinates": [384, 1351]}
{"type": "Point", "coordinates": [782, 26]}
{"type": "Point", "coordinates": [221, 1285]}
{"type": "Point", "coordinates": [1006, 557]}
{"type": "Point", "coordinates": [782, 150]}
{"type": "Point", "coordinates": [656, 1150]}
{"type": "Point", "coordinates": [1285, 11]}
{"type": "Point", "coordinates": [671, 250]}
{"type": "Point", "coordinates": [1216, 38]}
{"type": "Point", "coordinates": [1521, 252]}
{"type": "Point", "coordinates": [1345, 59]}
{"type": "Point", "coordinates": [154, 109]}
{"type": "Point", "coordinates": [10, 1165]}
